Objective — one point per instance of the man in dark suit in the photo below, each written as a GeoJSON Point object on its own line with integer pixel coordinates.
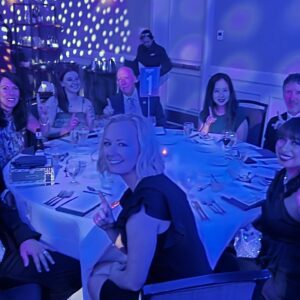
{"type": "Point", "coordinates": [129, 101]}
{"type": "Point", "coordinates": [291, 95]}
{"type": "Point", "coordinates": [24, 259]}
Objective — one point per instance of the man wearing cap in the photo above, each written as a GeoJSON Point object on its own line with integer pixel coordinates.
{"type": "Point", "coordinates": [150, 54]}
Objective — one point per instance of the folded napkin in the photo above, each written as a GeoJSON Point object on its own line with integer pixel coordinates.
{"type": "Point", "coordinates": [29, 161]}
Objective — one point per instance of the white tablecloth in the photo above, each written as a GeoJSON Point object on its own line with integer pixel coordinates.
{"type": "Point", "coordinates": [189, 163]}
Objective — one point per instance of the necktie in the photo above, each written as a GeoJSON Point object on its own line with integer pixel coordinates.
{"type": "Point", "coordinates": [131, 105]}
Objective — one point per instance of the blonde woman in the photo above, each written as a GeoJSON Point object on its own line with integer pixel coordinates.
{"type": "Point", "coordinates": [156, 229]}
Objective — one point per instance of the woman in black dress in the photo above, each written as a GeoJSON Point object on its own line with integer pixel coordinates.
{"type": "Point", "coordinates": [156, 227]}
{"type": "Point", "coordinates": [280, 219]}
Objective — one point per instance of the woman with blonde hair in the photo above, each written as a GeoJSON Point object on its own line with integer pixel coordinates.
{"type": "Point", "coordinates": [156, 229]}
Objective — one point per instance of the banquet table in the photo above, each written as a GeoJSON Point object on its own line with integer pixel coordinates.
{"type": "Point", "coordinates": [206, 169]}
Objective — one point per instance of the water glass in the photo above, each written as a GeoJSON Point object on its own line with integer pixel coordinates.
{"type": "Point", "coordinates": [73, 169]}
{"type": "Point", "coordinates": [188, 128]}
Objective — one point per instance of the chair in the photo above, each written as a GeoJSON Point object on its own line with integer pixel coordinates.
{"type": "Point", "coordinates": [255, 113]}
{"type": "Point", "coordinates": [220, 286]}
{"type": "Point", "coordinates": [30, 291]}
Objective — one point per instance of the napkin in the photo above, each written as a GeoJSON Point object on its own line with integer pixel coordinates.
{"type": "Point", "coordinates": [29, 161]}
{"type": "Point", "coordinates": [80, 206]}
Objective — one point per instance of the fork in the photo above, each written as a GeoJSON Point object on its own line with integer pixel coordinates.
{"type": "Point", "coordinates": [55, 197]}
{"type": "Point", "coordinates": [196, 205]}
{"type": "Point", "coordinates": [214, 206]}
{"type": "Point", "coordinates": [67, 194]}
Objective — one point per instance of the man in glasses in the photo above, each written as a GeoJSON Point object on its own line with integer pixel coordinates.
{"type": "Point", "coordinates": [150, 54]}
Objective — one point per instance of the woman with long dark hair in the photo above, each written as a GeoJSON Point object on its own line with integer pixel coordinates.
{"type": "Point", "coordinates": [68, 109]}
{"type": "Point", "coordinates": [220, 108]}
{"type": "Point", "coordinates": [14, 118]}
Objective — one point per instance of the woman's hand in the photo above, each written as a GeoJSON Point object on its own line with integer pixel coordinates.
{"type": "Point", "coordinates": [104, 217]}
{"type": "Point", "coordinates": [210, 118]}
{"type": "Point", "coordinates": [74, 122]}
{"type": "Point", "coordinates": [41, 257]}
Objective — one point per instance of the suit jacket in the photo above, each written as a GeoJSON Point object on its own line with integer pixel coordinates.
{"type": "Point", "coordinates": [12, 230]}
{"type": "Point", "coordinates": [117, 102]}
{"type": "Point", "coordinates": [271, 132]}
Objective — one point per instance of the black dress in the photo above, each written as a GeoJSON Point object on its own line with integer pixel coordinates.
{"type": "Point", "coordinates": [179, 252]}
{"type": "Point", "coordinates": [281, 238]}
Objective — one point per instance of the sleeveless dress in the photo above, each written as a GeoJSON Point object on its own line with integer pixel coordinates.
{"type": "Point", "coordinates": [281, 238]}
{"type": "Point", "coordinates": [179, 252]}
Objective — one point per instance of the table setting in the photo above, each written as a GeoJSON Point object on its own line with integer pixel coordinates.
{"type": "Point", "coordinates": [224, 185]}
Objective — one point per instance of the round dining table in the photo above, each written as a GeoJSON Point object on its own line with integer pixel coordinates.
{"type": "Point", "coordinates": [224, 184]}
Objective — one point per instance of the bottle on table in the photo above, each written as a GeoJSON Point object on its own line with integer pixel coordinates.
{"type": "Point", "coordinates": [39, 145]}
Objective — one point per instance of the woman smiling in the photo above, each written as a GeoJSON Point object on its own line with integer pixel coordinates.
{"type": "Point", "coordinates": [156, 228]}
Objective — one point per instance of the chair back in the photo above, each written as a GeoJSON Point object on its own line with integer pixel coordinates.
{"type": "Point", "coordinates": [30, 291]}
{"type": "Point", "coordinates": [221, 286]}
{"type": "Point", "coordinates": [255, 113]}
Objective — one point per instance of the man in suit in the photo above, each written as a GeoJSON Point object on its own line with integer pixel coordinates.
{"type": "Point", "coordinates": [24, 259]}
{"type": "Point", "coordinates": [291, 95]}
{"type": "Point", "coordinates": [128, 99]}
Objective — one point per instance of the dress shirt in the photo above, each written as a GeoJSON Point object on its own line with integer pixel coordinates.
{"type": "Point", "coordinates": [132, 104]}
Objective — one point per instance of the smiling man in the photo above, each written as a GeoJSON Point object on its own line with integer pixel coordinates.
{"type": "Point", "coordinates": [291, 95]}
{"type": "Point", "coordinates": [128, 100]}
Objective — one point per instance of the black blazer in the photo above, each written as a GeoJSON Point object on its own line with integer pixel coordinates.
{"type": "Point", "coordinates": [271, 133]}
{"type": "Point", "coordinates": [117, 102]}
{"type": "Point", "coordinates": [12, 230]}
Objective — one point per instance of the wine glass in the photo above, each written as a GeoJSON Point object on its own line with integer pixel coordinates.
{"type": "Point", "coordinates": [188, 127]}
{"type": "Point", "coordinates": [73, 168]}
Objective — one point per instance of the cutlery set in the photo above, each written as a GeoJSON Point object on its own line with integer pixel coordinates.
{"type": "Point", "coordinates": [59, 197]}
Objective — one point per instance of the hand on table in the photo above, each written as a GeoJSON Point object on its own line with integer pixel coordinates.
{"type": "Point", "coordinates": [41, 257]}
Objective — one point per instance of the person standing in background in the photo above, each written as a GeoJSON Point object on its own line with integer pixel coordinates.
{"type": "Point", "coordinates": [150, 54]}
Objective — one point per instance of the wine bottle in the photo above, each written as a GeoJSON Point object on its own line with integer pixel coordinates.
{"type": "Point", "coordinates": [39, 145]}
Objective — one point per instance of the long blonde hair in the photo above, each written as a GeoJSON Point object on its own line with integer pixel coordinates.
{"type": "Point", "coordinates": [150, 161]}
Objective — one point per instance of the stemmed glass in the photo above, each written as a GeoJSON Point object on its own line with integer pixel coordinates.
{"type": "Point", "coordinates": [188, 128]}
{"type": "Point", "coordinates": [73, 169]}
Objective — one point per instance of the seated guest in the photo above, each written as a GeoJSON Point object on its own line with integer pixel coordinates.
{"type": "Point", "coordinates": [220, 109]}
{"type": "Point", "coordinates": [129, 101]}
{"type": "Point", "coordinates": [280, 219]}
{"type": "Point", "coordinates": [156, 228]}
{"type": "Point", "coordinates": [68, 110]}
{"type": "Point", "coordinates": [291, 96]}
{"type": "Point", "coordinates": [24, 259]}
{"type": "Point", "coordinates": [14, 118]}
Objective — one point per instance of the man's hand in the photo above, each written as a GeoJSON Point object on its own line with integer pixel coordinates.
{"type": "Point", "coordinates": [108, 110]}
{"type": "Point", "coordinates": [41, 257]}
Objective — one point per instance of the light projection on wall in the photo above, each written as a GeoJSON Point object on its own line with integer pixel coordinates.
{"type": "Point", "coordinates": [91, 28]}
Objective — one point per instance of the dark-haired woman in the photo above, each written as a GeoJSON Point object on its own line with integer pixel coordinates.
{"type": "Point", "coordinates": [280, 219]}
{"type": "Point", "coordinates": [69, 110]}
{"type": "Point", "coordinates": [14, 118]}
{"type": "Point", "coordinates": [220, 109]}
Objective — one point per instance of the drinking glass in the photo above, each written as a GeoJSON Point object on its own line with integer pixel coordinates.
{"type": "Point", "coordinates": [82, 135]}
{"type": "Point", "coordinates": [188, 127]}
{"type": "Point", "coordinates": [73, 168]}
{"type": "Point", "coordinates": [152, 120]}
